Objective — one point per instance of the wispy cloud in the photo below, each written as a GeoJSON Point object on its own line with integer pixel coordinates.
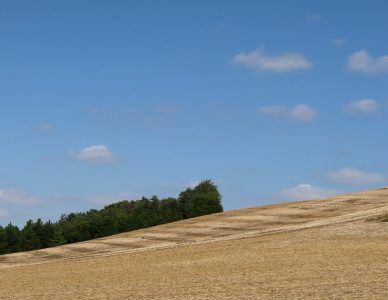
{"type": "Point", "coordinates": [313, 17]}
{"type": "Point", "coordinates": [17, 196]}
{"type": "Point", "coordinates": [3, 213]}
{"type": "Point", "coordinates": [301, 112]}
{"type": "Point", "coordinates": [365, 106]}
{"type": "Point", "coordinates": [257, 60]}
{"type": "Point", "coordinates": [339, 42]}
{"type": "Point", "coordinates": [96, 154]}
{"type": "Point", "coordinates": [274, 111]}
{"type": "Point", "coordinates": [45, 128]}
{"type": "Point", "coordinates": [165, 109]}
{"type": "Point", "coordinates": [362, 62]}
{"type": "Point", "coordinates": [355, 176]}
{"type": "Point", "coordinates": [306, 191]}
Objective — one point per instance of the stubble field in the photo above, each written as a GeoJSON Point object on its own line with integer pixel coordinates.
{"type": "Point", "coordinates": [327, 249]}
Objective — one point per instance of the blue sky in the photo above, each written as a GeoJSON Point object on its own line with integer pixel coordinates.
{"type": "Point", "coordinates": [110, 100]}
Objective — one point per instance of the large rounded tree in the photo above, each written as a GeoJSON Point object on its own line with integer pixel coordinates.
{"type": "Point", "coordinates": [204, 199]}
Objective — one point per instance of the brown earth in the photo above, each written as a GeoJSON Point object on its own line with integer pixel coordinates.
{"type": "Point", "coordinates": [323, 249]}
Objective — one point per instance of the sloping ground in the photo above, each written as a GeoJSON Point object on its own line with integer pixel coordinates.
{"type": "Point", "coordinates": [313, 249]}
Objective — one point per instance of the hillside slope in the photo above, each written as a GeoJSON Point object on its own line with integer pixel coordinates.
{"type": "Point", "coordinates": [309, 249]}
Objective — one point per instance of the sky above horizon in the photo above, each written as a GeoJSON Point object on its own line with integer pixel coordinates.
{"type": "Point", "coordinates": [109, 100]}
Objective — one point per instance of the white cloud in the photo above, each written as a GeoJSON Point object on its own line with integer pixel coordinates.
{"type": "Point", "coordinates": [361, 61]}
{"type": "Point", "coordinates": [313, 17]}
{"type": "Point", "coordinates": [303, 113]}
{"type": "Point", "coordinates": [282, 63]}
{"type": "Point", "coordinates": [96, 154]}
{"type": "Point", "coordinates": [354, 176]}
{"type": "Point", "coordinates": [3, 213]}
{"type": "Point", "coordinates": [17, 196]}
{"type": "Point", "coordinates": [108, 199]}
{"type": "Point", "coordinates": [339, 42]}
{"type": "Point", "coordinates": [300, 112]}
{"type": "Point", "coordinates": [362, 106]}
{"type": "Point", "coordinates": [307, 192]}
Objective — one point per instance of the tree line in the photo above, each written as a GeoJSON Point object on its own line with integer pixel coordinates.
{"type": "Point", "coordinates": [114, 218]}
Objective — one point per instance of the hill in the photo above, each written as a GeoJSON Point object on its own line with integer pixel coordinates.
{"type": "Point", "coordinates": [310, 249]}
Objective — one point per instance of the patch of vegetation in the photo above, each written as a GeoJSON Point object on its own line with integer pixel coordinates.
{"type": "Point", "coordinates": [112, 219]}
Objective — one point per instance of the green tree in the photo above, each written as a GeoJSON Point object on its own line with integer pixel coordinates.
{"type": "Point", "coordinates": [204, 199]}
{"type": "Point", "coordinates": [3, 241]}
{"type": "Point", "coordinates": [29, 239]}
{"type": "Point", "coordinates": [12, 237]}
{"type": "Point", "coordinates": [57, 238]}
